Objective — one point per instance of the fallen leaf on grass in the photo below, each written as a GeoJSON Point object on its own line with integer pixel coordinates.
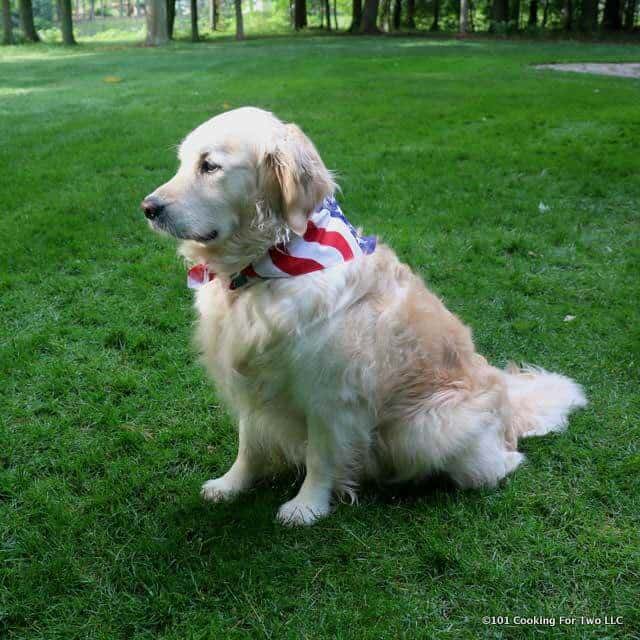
{"type": "Point", "coordinates": [112, 79]}
{"type": "Point", "coordinates": [569, 318]}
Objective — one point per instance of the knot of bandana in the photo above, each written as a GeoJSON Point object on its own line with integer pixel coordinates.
{"type": "Point", "coordinates": [330, 239]}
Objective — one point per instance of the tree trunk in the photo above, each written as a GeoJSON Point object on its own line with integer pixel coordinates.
{"type": "Point", "coordinates": [630, 14]}
{"type": "Point", "coordinates": [435, 26]}
{"type": "Point", "coordinates": [397, 15]}
{"type": "Point", "coordinates": [589, 16]}
{"type": "Point", "coordinates": [239, 22]}
{"type": "Point", "coordinates": [213, 14]}
{"type": "Point", "coordinates": [356, 16]}
{"type": "Point", "coordinates": [26, 20]}
{"type": "Point", "coordinates": [385, 10]}
{"type": "Point", "coordinates": [567, 15]}
{"type": "Point", "coordinates": [121, 9]}
{"type": "Point", "coordinates": [612, 17]}
{"type": "Point", "coordinates": [92, 9]}
{"type": "Point", "coordinates": [369, 20]}
{"type": "Point", "coordinates": [464, 16]}
{"type": "Point", "coordinates": [66, 22]}
{"type": "Point", "coordinates": [327, 13]}
{"type": "Point", "coordinates": [157, 31]}
{"type": "Point", "coordinates": [500, 11]}
{"type": "Point", "coordinates": [545, 13]}
{"type": "Point", "coordinates": [171, 17]}
{"type": "Point", "coordinates": [194, 21]}
{"type": "Point", "coordinates": [7, 25]}
{"type": "Point", "coordinates": [335, 14]}
{"type": "Point", "coordinates": [515, 13]}
{"type": "Point", "coordinates": [533, 13]}
{"type": "Point", "coordinates": [300, 14]}
{"type": "Point", "coordinates": [411, 14]}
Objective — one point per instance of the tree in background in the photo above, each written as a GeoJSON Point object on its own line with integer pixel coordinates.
{"type": "Point", "coordinates": [435, 25]}
{"type": "Point", "coordinates": [411, 14]}
{"type": "Point", "coordinates": [300, 14]}
{"type": "Point", "coordinates": [157, 31]}
{"type": "Point", "coordinates": [369, 19]}
{"type": "Point", "coordinates": [7, 26]}
{"type": "Point", "coordinates": [397, 15]}
{"type": "Point", "coordinates": [567, 15]}
{"type": "Point", "coordinates": [589, 16]}
{"type": "Point", "coordinates": [171, 17]}
{"type": "Point", "coordinates": [384, 11]}
{"type": "Point", "coordinates": [215, 14]}
{"type": "Point", "coordinates": [630, 14]}
{"type": "Point", "coordinates": [26, 21]}
{"type": "Point", "coordinates": [514, 13]}
{"type": "Point", "coordinates": [239, 22]}
{"type": "Point", "coordinates": [533, 14]}
{"type": "Point", "coordinates": [368, 16]}
{"type": "Point", "coordinates": [356, 16]}
{"type": "Point", "coordinates": [464, 16]}
{"type": "Point", "coordinates": [194, 21]}
{"type": "Point", "coordinates": [214, 11]}
{"type": "Point", "coordinates": [499, 11]}
{"type": "Point", "coordinates": [66, 22]}
{"type": "Point", "coordinates": [545, 13]}
{"type": "Point", "coordinates": [612, 17]}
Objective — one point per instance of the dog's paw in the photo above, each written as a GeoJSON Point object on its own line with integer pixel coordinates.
{"type": "Point", "coordinates": [218, 490]}
{"type": "Point", "coordinates": [297, 513]}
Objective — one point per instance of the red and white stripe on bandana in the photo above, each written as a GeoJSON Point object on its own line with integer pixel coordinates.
{"type": "Point", "coordinates": [330, 239]}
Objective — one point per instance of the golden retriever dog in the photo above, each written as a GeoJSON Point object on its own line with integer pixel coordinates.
{"type": "Point", "coordinates": [351, 370]}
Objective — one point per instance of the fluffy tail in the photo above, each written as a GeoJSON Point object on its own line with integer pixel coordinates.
{"type": "Point", "coordinates": [541, 401]}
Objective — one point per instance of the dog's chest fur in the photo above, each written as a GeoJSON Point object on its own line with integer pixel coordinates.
{"type": "Point", "coordinates": [362, 333]}
{"type": "Point", "coordinates": [261, 342]}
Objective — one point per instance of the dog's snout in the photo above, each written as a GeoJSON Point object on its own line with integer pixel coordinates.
{"type": "Point", "coordinates": [152, 207]}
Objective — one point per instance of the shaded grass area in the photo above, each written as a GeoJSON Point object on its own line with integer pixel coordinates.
{"type": "Point", "coordinates": [513, 191]}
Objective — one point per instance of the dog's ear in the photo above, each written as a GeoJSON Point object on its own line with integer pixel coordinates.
{"type": "Point", "coordinates": [297, 180]}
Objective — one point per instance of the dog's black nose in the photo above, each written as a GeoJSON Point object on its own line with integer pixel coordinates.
{"type": "Point", "coordinates": [152, 207]}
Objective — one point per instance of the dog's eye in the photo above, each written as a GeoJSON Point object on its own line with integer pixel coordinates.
{"type": "Point", "coordinates": [209, 167]}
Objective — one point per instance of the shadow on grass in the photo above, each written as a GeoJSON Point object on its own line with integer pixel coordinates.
{"type": "Point", "coordinates": [251, 518]}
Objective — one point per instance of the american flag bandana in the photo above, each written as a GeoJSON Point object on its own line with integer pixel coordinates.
{"type": "Point", "coordinates": [330, 239]}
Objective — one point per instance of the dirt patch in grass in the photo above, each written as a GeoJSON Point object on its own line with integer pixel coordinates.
{"type": "Point", "coordinates": [626, 70]}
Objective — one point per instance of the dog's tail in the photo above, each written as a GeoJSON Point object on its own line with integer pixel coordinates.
{"type": "Point", "coordinates": [540, 401]}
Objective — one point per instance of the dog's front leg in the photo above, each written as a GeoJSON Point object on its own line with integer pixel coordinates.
{"type": "Point", "coordinates": [313, 499]}
{"type": "Point", "coordinates": [242, 474]}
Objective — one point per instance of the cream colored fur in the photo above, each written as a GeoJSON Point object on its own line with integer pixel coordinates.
{"type": "Point", "coordinates": [355, 372]}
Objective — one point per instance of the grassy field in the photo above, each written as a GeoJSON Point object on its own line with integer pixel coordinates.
{"type": "Point", "coordinates": [513, 191]}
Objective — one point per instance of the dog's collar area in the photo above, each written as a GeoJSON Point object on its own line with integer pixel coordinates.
{"type": "Point", "coordinates": [330, 239]}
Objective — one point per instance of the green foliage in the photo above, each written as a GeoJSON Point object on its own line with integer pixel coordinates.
{"type": "Point", "coordinates": [270, 17]}
{"type": "Point", "coordinates": [43, 11]}
{"type": "Point", "coordinates": [446, 150]}
{"type": "Point", "coordinates": [503, 28]}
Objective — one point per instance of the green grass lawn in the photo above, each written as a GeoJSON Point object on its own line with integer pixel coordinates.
{"type": "Point", "coordinates": [513, 191]}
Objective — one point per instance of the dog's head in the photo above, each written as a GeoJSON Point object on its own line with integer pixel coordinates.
{"type": "Point", "coordinates": [246, 180]}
